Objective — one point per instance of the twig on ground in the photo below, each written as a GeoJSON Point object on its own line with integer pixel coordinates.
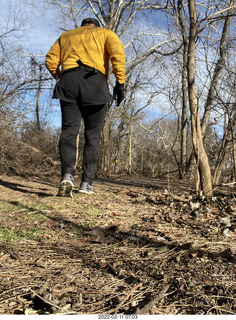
{"type": "Point", "coordinates": [152, 303]}
{"type": "Point", "coordinates": [127, 297]}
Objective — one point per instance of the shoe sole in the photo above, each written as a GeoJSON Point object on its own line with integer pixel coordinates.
{"type": "Point", "coordinates": [65, 189]}
{"type": "Point", "coordinates": [87, 192]}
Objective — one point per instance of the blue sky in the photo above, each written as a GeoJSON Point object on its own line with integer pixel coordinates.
{"type": "Point", "coordinates": [38, 35]}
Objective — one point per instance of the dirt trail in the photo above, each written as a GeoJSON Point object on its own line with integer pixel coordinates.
{"type": "Point", "coordinates": [134, 247]}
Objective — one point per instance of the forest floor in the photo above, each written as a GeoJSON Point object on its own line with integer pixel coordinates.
{"type": "Point", "coordinates": [136, 246]}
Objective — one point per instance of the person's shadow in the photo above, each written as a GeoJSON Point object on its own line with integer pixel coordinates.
{"type": "Point", "coordinates": [24, 189]}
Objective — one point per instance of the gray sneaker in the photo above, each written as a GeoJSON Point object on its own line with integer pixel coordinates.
{"type": "Point", "coordinates": [85, 187]}
{"type": "Point", "coordinates": [66, 186]}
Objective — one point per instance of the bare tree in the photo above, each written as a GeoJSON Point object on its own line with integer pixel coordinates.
{"type": "Point", "coordinates": [205, 182]}
{"type": "Point", "coordinates": [219, 66]}
{"type": "Point", "coordinates": [12, 79]}
{"type": "Point", "coordinates": [202, 31]}
{"type": "Point", "coordinates": [17, 83]}
{"type": "Point", "coordinates": [183, 123]}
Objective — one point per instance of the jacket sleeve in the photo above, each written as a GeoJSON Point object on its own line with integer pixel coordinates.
{"type": "Point", "coordinates": [53, 60]}
{"type": "Point", "coordinates": [117, 56]}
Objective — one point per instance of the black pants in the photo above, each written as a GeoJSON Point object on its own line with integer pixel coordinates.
{"type": "Point", "coordinates": [93, 116]}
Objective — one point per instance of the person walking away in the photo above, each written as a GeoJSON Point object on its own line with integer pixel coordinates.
{"type": "Point", "coordinates": [79, 61]}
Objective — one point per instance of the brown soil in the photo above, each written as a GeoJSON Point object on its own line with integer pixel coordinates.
{"type": "Point", "coordinates": [136, 246]}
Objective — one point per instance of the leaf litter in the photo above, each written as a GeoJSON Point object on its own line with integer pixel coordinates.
{"type": "Point", "coordinates": [137, 246]}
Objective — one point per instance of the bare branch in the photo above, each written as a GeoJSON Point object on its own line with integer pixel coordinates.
{"type": "Point", "coordinates": [137, 60]}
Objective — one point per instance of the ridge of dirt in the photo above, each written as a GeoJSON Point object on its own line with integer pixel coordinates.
{"type": "Point", "coordinates": [136, 246]}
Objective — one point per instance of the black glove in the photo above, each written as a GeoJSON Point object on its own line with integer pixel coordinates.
{"type": "Point", "coordinates": [119, 92]}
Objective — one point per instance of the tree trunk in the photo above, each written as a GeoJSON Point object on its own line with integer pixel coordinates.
{"type": "Point", "coordinates": [203, 167]}
{"type": "Point", "coordinates": [232, 134]}
{"type": "Point", "coordinates": [130, 146]}
{"type": "Point", "coordinates": [183, 137]}
{"type": "Point", "coordinates": [217, 71]}
{"type": "Point", "coordinates": [234, 160]}
{"type": "Point", "coordinates": [221, 156]}
{"type": "Point", "coordinates": [229, 136]}
{"type": "Point", "coordinates": [38, 98]}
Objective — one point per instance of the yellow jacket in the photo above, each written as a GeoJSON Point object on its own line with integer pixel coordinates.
{"type": "Point", "coordinates": [94, 46]}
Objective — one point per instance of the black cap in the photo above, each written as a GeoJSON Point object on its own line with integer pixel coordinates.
{"type": "Point", "coordinates": [90, 21]}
